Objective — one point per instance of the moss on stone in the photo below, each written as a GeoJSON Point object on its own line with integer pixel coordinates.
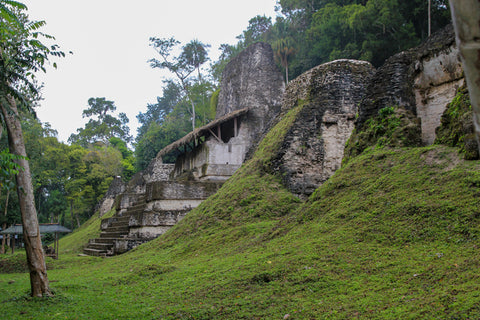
{"type": "Point", "coordinates": [457, 128]}
{"type": "Point", "coordinates": [393, 127]}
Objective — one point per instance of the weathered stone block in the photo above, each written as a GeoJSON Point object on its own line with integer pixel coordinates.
{"type": "Point", "coordinates": [422, 80]}
{"type": "Point", "coordinates": [177, 204]}
{"type": "Point", "coordinates": [313, 148]}
{"type": "Point", "coordinates": [438, 78]}
{"type": "Point", "coordinates": [124, 245]}
{"type": "Point", "coordinates": [158, 171]}
{"type": "Point", "coordinates": [252, 79]}
{"type": "Point", "coordinates": [164, 218]}
{"type": "Point", "coordinates": [183, 190]}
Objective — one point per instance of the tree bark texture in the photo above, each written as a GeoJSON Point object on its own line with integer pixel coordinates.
{"type": "Point", "coordinates": [2, 250]}
{"type": "Point", "coordinates": [31, 232]}
{"type": "Point", "coordinates": [466, 20]}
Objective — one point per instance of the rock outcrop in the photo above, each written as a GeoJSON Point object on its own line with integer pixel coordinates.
{"type": "Point", "coordinates": [313, 148]}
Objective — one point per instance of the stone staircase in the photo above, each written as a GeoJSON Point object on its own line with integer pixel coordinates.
{"type": "Point", "coordinates": [114, 229]}
{"type": "Point", "coordinates": [142, 217]}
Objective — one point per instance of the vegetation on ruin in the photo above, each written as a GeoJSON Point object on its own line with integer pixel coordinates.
{"type": "Point", "coordinates": [457, 128]}
{"type": "Point", "coordinates": [392, 127]}
{"type": "Point", "coordinates": [393, 234]}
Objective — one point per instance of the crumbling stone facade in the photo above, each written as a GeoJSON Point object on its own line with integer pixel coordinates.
{"type": "Point", "coordinates": [313, 148]}
{"type": "Point", "coordinates": [422, 80]}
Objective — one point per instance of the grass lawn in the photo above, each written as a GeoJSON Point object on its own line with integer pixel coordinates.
{"type": "Point", "coordinates": [397, 239]}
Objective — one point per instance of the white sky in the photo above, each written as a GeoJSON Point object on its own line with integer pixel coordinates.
{"type": "Point", "coordinates": [110, 44]}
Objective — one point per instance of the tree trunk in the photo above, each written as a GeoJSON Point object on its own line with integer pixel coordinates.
{"type": "Point", "coordinates": [185, 88]}
{"type": "Point", "coordinates": [429, 18]}
{"type": "Point", "coordinates": [2, 250]}
{"type": "Point", "coordinates": [31, 232]}
{"type": "Point", "coordinates": [71, 214]}
{"type": "Point", "coordinates": [467, 29]}
{"type": "Point", "coordinates": [193, 115]}
{"type": "Point", "coordinates": [286, 73]}
{"type": "Point", "coordinates": [78, 219]}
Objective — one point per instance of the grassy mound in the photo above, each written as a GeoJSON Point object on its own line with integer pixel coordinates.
{"type": "Point", "coordinates": [393, 234]}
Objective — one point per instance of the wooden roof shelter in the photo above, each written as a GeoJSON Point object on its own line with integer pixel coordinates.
{"type": "Point", "coordinates": [54, 228]}
{"type": "Point", "coordinates": [203, 131]}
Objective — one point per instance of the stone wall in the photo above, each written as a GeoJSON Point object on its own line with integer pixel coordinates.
{"type": "Point", "coordinates": [213, 160]}
{"type": "Point", "coordinates": [158, 171]}
{"type": "Point", "coordinates": [313, 148]}
{"type": "Point", "coordinates": [117, 187]}
{"type": "Point", "coordinates": [253, 80]}
{"type": "Point", "coordinates": [422, 80]}
{"type": "Point", "coordinates": [438, 75]}
{"type": "Point", "coordinates": [467, 26]}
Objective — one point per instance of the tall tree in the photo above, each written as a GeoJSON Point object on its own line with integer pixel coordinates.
{"type": "Point", "coordinates": [256, 31]}
{"type": "Point", "coordinates": [195, 54]}
{"type": "Point", "coordinates": [176, 65]}
{"type": "Point", "coordinates": [158, 125]}
{"type": "Point", "coordinates": [102, 124]}
{"type": "Point", "coordinates": [22, 54]}
{"type": "Point", "coordinates": [284, 51]}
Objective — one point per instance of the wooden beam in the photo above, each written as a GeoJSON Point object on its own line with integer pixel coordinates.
{"type": "Point", "coordinates": [219, 132]}
{"type": "Point", "coordinates": [235, 130]}
{"type": "Point", "coordinates": [213, 134]}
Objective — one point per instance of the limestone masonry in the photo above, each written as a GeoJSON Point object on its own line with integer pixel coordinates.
{"type": "Point", "coordinates": [334, 97]}
{"type": "Point", "coordinates": [313, 148]}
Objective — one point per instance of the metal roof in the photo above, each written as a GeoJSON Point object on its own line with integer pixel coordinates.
{"type": "Point", "coordinates": [44, 228]}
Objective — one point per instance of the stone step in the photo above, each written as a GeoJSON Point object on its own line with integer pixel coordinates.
{"type": "Point", "coordinates": [134, 210]}
{"type": "Point", "coordinates": [138, 204]}
{"type": "Point", "coordinates": [95, 252]}
{"type": "Point", "coordinates": [123, 229]}
{"type": "Point", "coordinates": [107, 234]}
{"type": "Point", "coordinates": [103, 240]}
{"type": "Point", "coordinates": [123, 219]}
{"type": "Point", "coordinates": [100, 246]}
{"type": "Point", "coordinates": [119, 224]}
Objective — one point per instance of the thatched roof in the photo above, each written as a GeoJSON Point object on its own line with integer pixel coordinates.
{"type": "Point", "coordinates": [199, 132]}
{"type": "Point", "coordinates": [44, 228]}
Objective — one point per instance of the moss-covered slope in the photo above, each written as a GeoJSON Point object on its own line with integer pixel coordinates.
{"type": "Point", "coordinates": [393, 234]}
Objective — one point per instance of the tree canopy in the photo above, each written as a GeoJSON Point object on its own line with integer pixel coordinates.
{"type": "Point", "coordinates": [102, 125]}
{"type": "Point", "coordinates": [318, 31]}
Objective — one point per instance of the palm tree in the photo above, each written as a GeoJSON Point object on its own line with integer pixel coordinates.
{"type": "Point", "coordinates": [195, 54]}
{"type": "Point", "coordinates": [284, 51]}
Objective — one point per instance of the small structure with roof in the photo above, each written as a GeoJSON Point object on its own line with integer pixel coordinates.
{"type": "Point", "coordinates": [45, 228]}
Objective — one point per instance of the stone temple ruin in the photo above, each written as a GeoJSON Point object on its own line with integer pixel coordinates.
{"type": "Point", "coordinates": [156, 199]}
{"type": "Point", "coordinates": [336, 97]}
